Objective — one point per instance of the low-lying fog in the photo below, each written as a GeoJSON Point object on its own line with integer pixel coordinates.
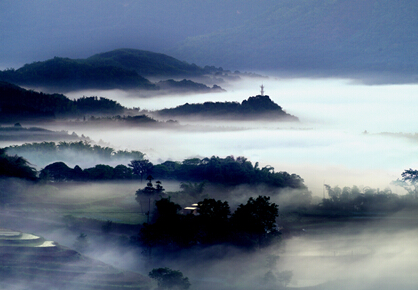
{"type": "Point", "coordinates": [328, 145]}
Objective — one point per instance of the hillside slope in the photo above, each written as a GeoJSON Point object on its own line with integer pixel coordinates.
{"type": "Point", "coordinates": [258, 107]}
{"type": "Point", "coordinates": [30, 259]}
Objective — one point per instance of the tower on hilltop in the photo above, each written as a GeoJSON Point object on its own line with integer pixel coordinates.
{"type": "Point", "coordinates": [262, 90]}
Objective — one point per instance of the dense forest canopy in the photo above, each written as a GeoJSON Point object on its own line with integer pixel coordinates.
{"type": "Point", "coordinates": [71, 152]}
{"type": "Point", "coordinates": [18, 104]}
{"type": "Point", "coordinates": [254, 107]}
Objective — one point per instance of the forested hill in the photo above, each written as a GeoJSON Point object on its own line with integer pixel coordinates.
{"type": "Point", "coordinates": [117, 69]}
{"type": "Point", "coordinates": [66, 74]}
{"type": "Point", "coordinates": [17, 104]}
{"type": "Point", "coordinates": [258, 107]}
{"type": "Point", "coordinates": [146, 63]}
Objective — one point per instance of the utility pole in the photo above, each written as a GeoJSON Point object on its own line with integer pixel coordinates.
{"type": "Point", "coordinates": [262, 90]}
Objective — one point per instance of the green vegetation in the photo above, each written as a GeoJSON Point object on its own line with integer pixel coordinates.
{"type": "Point", "coordinates": [187, 86]}
{"type": "Point", "coordinates": [146, 63]}
{"type": "Point", "coordinates": [18, 104]}
{"type": "Point", "coordinates": [69, 74]}
{"type": "Point", "coordinates": [350, 200]}
{"type": "Point", "coordinates": [117, 69]}
{"type": "Point", "coordinates": [15, 166]}
{"type": "Point", "coordinates": [46, 152]}
{"type": "Point", "coordinates": [169, 279]}
{"type": "Point", "coordinates": [19, 133]}
{"type": "Point", "coordinates": [261, 107]}
{"type": "Point", "coordinates": [252, 225]}
{"type": "Point", "coordinates": [228, 171]}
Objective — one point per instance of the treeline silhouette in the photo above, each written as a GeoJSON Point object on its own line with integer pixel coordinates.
{"type": "Point", "coordinates": [251, 225]}
{"type": "Point", "coordinates": [227, 171]}
{"type": "Point", "coordinates": [70, 74]}
{"type": "Point", "coordinates": [17, 103]}
{"type": "Point", "coordinates": [258, 106]}
{"type": "Point", "coordinates": [46, 152]}
{"type": "Point", "coordinates": [366, 200]}
{"type": "Point", "coordinates": [15, 166]}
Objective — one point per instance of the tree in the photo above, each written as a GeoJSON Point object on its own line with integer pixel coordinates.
{"type": "Point", "coordinates": [141, 167]}
{"type": "Point", "coordinates": [149, 189]}
{"type": "Point", "coordinates": [159, 188]}
{"type": "Point", "coordinates": [285, 277]}
{"type": "Point", "coordinates": [213, 220]}
{"type": "Point", "coordinates": [255, 222]}
{"type": "Point", "coordinates": [214, 210]}
{"type": "Point", "coordinates": [16, 166]}
{"type": "Point", "coordinates": [257, 215]}
{"type": "Point", "coordinates": [169, 279]}
{"type": "Point", "coordinates": [409, 181]}
{"type": "Point", "coordinates": [193, 189]}
{"type": "Point", "coordinates": [58, 171]}
{"type": "Point", "coordinates": [81, 243]}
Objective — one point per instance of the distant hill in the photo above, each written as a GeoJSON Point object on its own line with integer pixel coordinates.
{"type": "Point", "coordinates": [146, 63]}
{"type": "Point", "coordinates": [19, 133]}
{"type": "Point", "coordinates": [258, 107]}
{"type": "Point", "coordinates": [70, 74]}
{"type": "Point", "coordinates": [187, 86]}
{"type": "Point", "coordinates": [333, 37]}
{"type": "Point", "coordinates": [117, 69]}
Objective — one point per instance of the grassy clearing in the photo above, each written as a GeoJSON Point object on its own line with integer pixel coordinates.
{"type": "Point", "coordinates": [100, 201]}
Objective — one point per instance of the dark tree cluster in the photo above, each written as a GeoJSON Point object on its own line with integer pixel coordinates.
{"type": "Point", "coordinates": [258, 106]}
{"type": "Point", "coordinates": [59, 171]}
{"type": "Point", "coordinates": [355, 200]}
{"type": "Point", "coordinates": [71, 151]}
{"type": "Point", "coordinates": [128, 120]}
{"type": "Point", "coordinates": [169, 279]}
{"type": "Point", "coordinates": [188, 85]}
{"type": "Point", "coordinates": [252, 225]}
{"type": "Point", "coordinates": [95, 105]}
{"type": "Point", "coordinates": [228, 171]}
{"type": "Point", "coordinates": [15, 166]}
{"type": "Point", "coordinates": [17, 104]}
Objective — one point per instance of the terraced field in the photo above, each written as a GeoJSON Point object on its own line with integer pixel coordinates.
{"type": "Point", "coordinates": [30, 259]}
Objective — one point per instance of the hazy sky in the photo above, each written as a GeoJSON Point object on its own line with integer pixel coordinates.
{"type": "Point", "coordinates": [41, 29]}
{"type": "Point", "coordinates": [312, 37]}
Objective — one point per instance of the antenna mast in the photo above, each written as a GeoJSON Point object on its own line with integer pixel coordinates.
{"type": "Point", "coordinates": [262, 90]}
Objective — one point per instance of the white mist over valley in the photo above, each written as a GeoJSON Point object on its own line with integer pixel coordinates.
{"type": "Point", "coordinates": [338, 141]}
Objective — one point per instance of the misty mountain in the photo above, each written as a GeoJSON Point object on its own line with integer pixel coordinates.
{"type": "Point", "coordinates": [70, 74]}
{"type": "Point", "coordinates": [146, 63]}
{"type": "Point", "coordinates": [339, 37]}
{"type": "Point", "coordinates": [258, 107]}
{"type": "Point", "coordinates": [117, 69]}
